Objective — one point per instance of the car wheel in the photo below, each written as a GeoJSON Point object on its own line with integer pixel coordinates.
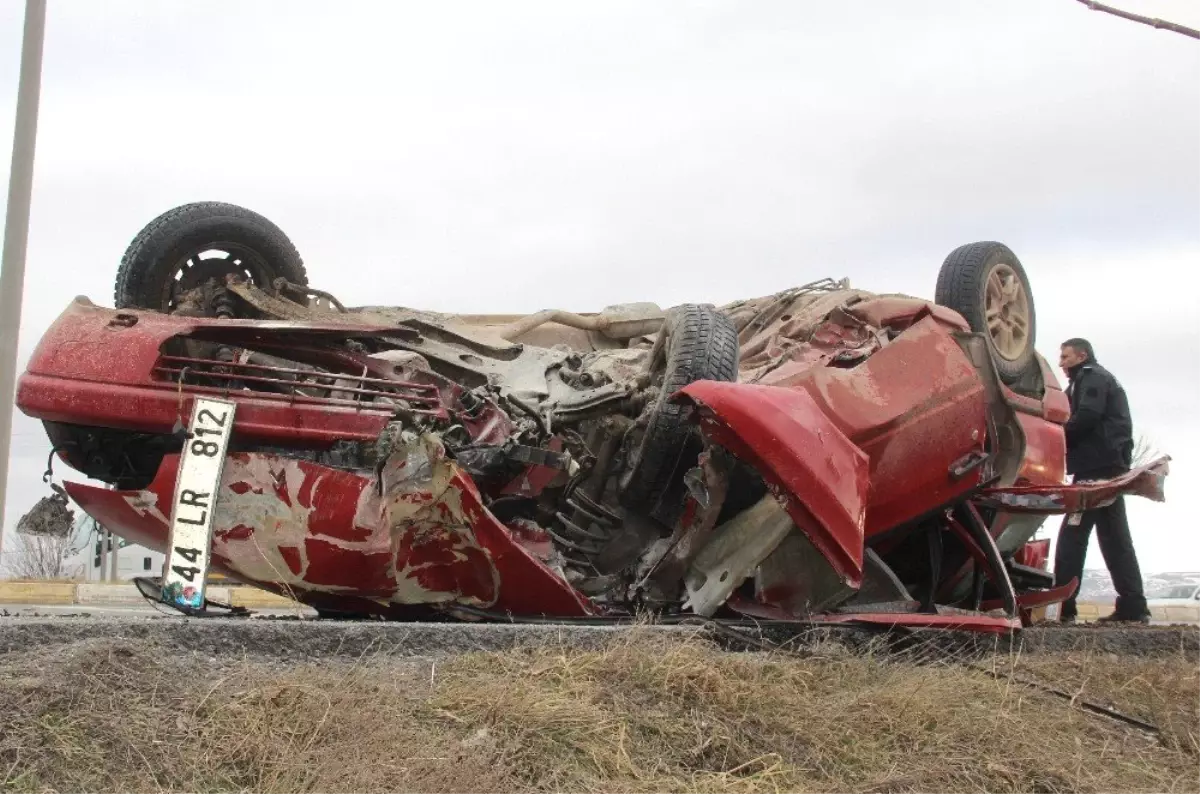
{"type": "Point", "coordinates": [986, 284]}
{"type": "Point", "coordinates": [185, 247]}
{"type": "Point", "coordinates": [699, 343]}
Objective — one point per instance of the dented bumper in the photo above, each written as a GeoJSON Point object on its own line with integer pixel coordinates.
{"type": "Point", "coordinates": [416, 534]}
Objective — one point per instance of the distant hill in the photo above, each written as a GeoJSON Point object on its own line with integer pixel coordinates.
{"type": "Point", "coordinates": [1097, 586]}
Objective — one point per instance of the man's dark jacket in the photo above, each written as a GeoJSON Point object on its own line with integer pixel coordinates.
{"type": "Point", "coordinates": [1100, 430]}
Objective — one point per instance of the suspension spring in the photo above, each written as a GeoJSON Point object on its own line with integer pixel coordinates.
{"type": "Point", "coordinates": [222, 303]}
{"type": "Point", "coordinates": [224, 309]}
{"type": "Point", "coordinates": [583, 528]}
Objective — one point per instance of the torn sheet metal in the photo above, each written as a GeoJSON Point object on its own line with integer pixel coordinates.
{"type": "Point", "coordinates": [1147, 481]}
{"type": "Point", "coordinates": [820, 475]}
{"type": "Point", "coordinates": [734, 551]}
{"type": "Point", "coordinates": [708, 485]}
{"type": "Point", "coordinates": [947, 619]}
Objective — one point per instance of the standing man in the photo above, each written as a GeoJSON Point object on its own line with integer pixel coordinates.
{"type": "Point", "coordinates": [1099, 446]}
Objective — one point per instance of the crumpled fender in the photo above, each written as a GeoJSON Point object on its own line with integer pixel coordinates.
{"type": "Point", "coordinates": [821, 476]}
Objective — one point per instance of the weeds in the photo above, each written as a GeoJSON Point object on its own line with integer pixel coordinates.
{"type": "Point", "coordinates": [647, 713]}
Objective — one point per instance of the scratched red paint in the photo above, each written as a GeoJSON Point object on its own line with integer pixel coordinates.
{"type": "Point", "coordinates": [279, 486]}
{"type": "Point", "coordinates": [456, 554]}
{"type": "Point", "coordinates": [536, 540]}
{"type": "Point", "coordinates": [237, 532]}
{"type": "Point", "coordinates": [291, 556]}
{"type": "Point", "coordinates": [1033, 554]}
{"type": "Point", "coordinates": [337, 567]}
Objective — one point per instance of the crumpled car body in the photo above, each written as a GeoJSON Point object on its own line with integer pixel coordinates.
{"type": "Point", "coordinates": [867, 464]}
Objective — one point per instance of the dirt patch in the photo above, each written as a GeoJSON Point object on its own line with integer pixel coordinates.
{"type": "Point", "coordinates": [640, 711]}
{"type": "Point", "coordinates": [1134, 640]}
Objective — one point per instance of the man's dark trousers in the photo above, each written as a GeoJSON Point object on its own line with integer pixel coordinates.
{"type": "Point", "coordinates": [1112, 531]}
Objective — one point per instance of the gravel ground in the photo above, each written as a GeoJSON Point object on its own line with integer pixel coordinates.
{"type": "Point", "coordinates": [291, 639]}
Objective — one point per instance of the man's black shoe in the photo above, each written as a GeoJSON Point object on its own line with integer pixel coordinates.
{"type": "Point", "coordinates": [1117, 618]}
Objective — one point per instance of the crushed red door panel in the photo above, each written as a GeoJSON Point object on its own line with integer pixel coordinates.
{"type": "Point", "coordinates": [913, 428]}
{"type": "Point", "coordinates": [860, 450]}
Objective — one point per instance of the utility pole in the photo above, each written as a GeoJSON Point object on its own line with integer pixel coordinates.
{"type": "Point", "coordinates": [16, 227]}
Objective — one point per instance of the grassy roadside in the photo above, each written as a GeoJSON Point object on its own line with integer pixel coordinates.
{"type": "Point", "coordinates": [647, 713]}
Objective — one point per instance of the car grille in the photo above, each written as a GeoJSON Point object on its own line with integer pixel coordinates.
{"type": "Point", "coordinates": [294, 385]}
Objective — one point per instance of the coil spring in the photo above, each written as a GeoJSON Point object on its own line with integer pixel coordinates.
{"type": "Point", "coordinates": [580, 543]}
{"type": "Point", "coordinates": [222, 304]}
{"type": "Point", "coordinates": [223, 308]}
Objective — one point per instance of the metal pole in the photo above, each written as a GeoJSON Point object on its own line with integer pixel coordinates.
{"type": "Point", "coordinates": [103, 554]}
{"type": "Point", "coordinates": [112, 560]}
{"type": "Point", "coordinates": [16, 227]}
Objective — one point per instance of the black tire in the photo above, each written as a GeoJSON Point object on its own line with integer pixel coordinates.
{"type": "Point", "coordinates": [701, 344]}
{"type": "Point", "coordinates": [962, 285]}
{"type": "Point", "coordinates": [169, 246]}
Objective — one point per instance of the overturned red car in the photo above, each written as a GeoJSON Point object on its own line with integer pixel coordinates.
{"type": "Point", "coordinates": [823, 454]}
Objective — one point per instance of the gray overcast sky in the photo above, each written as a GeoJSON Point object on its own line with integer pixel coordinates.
{"type": "Point", "coordinates": [524, 155]}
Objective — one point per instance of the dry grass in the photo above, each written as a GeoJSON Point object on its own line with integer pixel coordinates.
{"type": "Point", "coordinates": [648, 713]}
{"type": "Point", "coordinates": [1163, 692]}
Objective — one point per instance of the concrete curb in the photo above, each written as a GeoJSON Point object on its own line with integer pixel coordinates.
{"type": "Point", "coordinates": [124, 594]}
{"type": "Point", "coordinates": [49, 593]}
{"type": "Point", "coordinates": [253, 598]}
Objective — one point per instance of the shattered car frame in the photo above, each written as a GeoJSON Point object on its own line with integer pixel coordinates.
{"type": "Point", "coordinates": [823, 454]}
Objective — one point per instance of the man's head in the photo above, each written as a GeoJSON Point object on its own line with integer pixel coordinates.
{"type": "Point", "coordinates": [1074, 352]}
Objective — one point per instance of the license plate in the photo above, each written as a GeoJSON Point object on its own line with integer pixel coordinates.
{"type": "Point", "coordinates": [200, 467]}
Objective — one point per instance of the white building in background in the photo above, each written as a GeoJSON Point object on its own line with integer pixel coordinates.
{"type": "Point", "coordinates": [132, 560]}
